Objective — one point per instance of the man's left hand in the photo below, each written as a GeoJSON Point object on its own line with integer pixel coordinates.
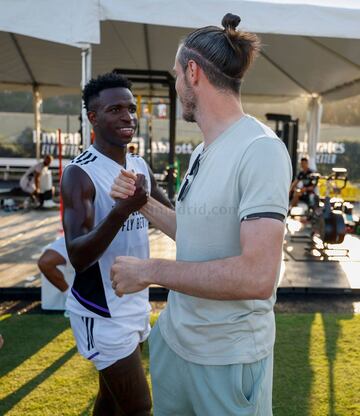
{"type": "Point", "coordinates": [129, 275]}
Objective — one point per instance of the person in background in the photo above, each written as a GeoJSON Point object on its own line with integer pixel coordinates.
{"type": "Point", "coordinates": [58, 275]}
{"type": "Point", "coordinates": [30, 181]}
{"type": "Point", "coordinates": [302, 187]}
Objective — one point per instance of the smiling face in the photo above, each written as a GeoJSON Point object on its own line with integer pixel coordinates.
{"type": "Point", "coordinates": [113, 116]}
{"type": "Point", "coordinates": [185, 92]}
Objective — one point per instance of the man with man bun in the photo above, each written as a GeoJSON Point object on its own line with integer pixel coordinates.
{"type": "Point", "coordinates": [211, 351]}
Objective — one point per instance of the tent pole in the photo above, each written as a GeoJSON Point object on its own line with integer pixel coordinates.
{"type": "Point", "coordinates": [86, 60]}
{"type": "Point", "coordinates": [314, 115]}
{"type": "Point", "coordinates": [37, 101]}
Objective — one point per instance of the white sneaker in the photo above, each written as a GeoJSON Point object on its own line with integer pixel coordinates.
{"type": "Point", "coordinates": [49, 203]}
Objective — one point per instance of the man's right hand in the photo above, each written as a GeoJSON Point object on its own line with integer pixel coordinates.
{"type": "Point", "coordinates": [124, 185]}
{"type": "Point", "coordinates": [130, 191]}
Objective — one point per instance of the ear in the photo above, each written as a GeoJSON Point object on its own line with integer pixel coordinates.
{"type": "Point", "coordinates": [194, 72]}
{"type": "Point", "coordinates": [92, 117]}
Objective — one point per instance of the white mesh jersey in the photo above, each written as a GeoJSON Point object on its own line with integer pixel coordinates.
{"type": "Point", "coordinates": [91, 294]}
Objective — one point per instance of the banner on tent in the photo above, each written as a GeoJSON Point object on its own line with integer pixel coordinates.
{"type": "Point", "coordinates": [326, 152]}
{"type": "Point", "coordinates": [161, 147]}
{"type": "Point", "coordinates": [49, 144]}
{"type": "Point", "coordinates": [71, 145]}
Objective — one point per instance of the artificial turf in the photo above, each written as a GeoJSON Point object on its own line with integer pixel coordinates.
{"type": "Point", "coordinates": [317, 367]}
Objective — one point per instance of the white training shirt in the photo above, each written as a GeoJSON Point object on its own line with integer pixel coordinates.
{"type": "Point", "coordinates": [92, 294]}
{"type": "Point", "coordinates": [59, 246]}
{"type": "Point", "coordinates": [52, 297]}
{"type": "Point", "coordinates": [27, 181]}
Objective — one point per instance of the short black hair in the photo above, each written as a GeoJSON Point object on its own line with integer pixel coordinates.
{"type": "Point", "coordinates": [103, 82]}
{"type": "Point", "coordinates": [304, 159]}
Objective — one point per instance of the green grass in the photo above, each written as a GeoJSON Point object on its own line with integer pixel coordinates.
{"type": "Point", "coordinates": [317, 367]}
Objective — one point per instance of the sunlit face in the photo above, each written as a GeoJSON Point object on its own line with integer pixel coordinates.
{"type": "Point", "coordinates": [185, 92]}
{"type": "Point", "coordinates": [114, 119]}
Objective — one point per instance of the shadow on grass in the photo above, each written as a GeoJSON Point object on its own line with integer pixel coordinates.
{"type": "Point", "coordinates": [292, 371]}
{"type": "Point", "coordinates": [332, 329]}
{"type": "Point", "coordinates": [25, 335]}
{"type": "Point", "coordinates": [12, 399]}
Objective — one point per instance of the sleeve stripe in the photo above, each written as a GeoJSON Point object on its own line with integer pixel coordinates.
{"type": "Point", "coordinates": [273, 215]}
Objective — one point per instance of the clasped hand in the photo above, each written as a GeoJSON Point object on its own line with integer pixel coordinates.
{"type": "Point", "coordinates": [128, 274]}
{"type": "Point", "coordinates": [130, 191]}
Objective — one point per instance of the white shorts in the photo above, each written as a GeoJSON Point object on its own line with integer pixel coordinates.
{"type": "Point", "coordinates": [107, 340]}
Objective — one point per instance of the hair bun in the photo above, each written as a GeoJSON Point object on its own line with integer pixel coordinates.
{"type": "Point", "coordinates": [230, 21]}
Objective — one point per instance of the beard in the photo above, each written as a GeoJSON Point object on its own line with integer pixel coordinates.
{"type": "Point", "coordinates": [189, 104]}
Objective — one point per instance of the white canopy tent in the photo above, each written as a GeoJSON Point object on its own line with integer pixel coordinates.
{"type": "Point", "coordinates": [313, 122]}
{"type": "Point", "coordinates": [311, 47]}
{"type": "Point", "coordinates": [61, 21]}
{"type": "Point", "coordinates": [23, 23]}
{"type": "Point", "coordinates": [320, 58]}
{"type": "Point", "coordinates": [286, 17]}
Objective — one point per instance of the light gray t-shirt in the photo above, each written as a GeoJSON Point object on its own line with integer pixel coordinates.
{"type": "Point", "coordinates": [246, 170]}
